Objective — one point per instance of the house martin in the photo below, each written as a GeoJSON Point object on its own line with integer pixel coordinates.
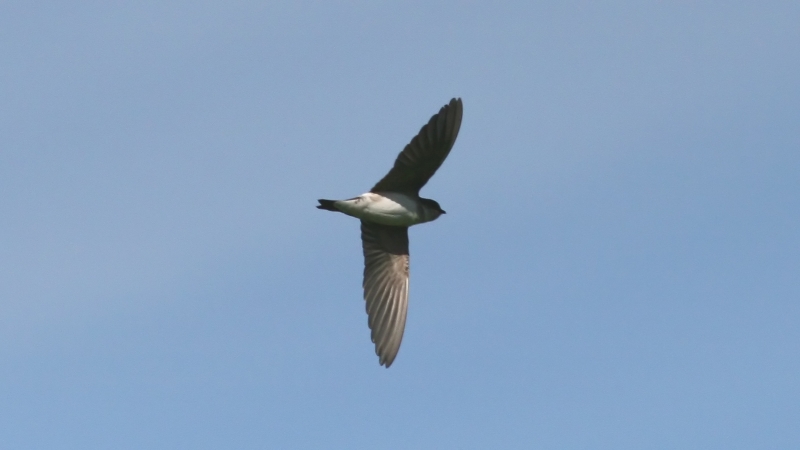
{"type": "Point", "coordinates": [386, 212]}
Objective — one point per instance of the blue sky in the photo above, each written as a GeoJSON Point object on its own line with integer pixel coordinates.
{"type": "Point", "coordinates": [618, 268]}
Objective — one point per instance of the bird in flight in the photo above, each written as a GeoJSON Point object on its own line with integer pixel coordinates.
{"type": "Point", "coordinates": [386, 212]}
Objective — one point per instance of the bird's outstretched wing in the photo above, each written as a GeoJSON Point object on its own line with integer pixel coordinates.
{"type": "Point", "coordinates": [385, 286]}
{"type": "Point", "coordinates": [417, 163]}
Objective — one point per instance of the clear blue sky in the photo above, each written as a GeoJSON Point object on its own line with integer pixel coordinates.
{"type": "Point", "coordinates": [619, 267]}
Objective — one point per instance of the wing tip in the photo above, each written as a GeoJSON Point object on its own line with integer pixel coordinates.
{"type": "Point", "coordinates": [456, 103]}
{"type": "Point", "coordinates": [386, 360]}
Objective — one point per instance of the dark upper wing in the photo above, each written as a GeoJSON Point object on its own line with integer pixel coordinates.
{"type": "Point", "coordinates": [385, 286]}
{"type": "Point", "coordinates": [417, 163]}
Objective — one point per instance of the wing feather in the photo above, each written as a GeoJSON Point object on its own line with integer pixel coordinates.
{"type": "Point", "coordinates": [385, 286]}
{"type": "Point", "coordinates": [420, 159]}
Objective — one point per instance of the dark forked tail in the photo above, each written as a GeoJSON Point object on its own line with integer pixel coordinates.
{"type": "Point", "coordinates": [327, 205]}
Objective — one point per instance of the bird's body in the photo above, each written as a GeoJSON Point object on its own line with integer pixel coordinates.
{"type": "Point", "coordinates": [387, 208]}
{"type": "Point", "coordinates": [386, 212]}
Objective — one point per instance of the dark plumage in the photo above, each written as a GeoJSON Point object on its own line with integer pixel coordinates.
{"type": "Point", "coordinates": [326, 205]}
{"type": "Point", "coordinates": [420, 159]}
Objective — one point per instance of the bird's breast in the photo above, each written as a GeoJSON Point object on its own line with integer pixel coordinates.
{"type": "Point", "coordinates": [386, 208]}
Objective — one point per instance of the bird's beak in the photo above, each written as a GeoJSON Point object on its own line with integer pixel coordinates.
{"type": "Point", "coordinates": [444, 212]}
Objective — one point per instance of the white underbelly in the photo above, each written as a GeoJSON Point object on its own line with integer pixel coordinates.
{"type": "Point", "coordinates": [387, 209]}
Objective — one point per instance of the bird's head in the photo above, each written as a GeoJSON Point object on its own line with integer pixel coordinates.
{"type": "Point", "coordinates": [432, 209]}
